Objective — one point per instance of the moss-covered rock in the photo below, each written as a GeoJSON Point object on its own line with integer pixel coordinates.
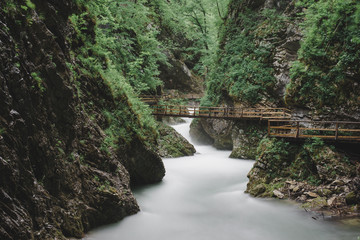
{"type": "Point", "coordinates": [246, 136]}
{"type": "Point", "coordinates": [351, 198]}
{"type": "Point", "coordinates": [312, 173]}
{"type": "Point", "coordinates": [171, 144]}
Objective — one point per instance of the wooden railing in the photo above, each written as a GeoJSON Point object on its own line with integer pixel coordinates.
{"type": "Point", "coordinates": [156, 98]}
{"type": "Point", "coordinates": [344, 131]}
{"type": "Point", "coordinates": [221, 112]}
{"type": "Point", "coordinates": [279, 123]}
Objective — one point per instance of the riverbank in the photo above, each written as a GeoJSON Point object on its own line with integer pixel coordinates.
{"type": "Point", "coordinates": [320, 176]}
{"type": "Point", "coordinates": [203, 197]}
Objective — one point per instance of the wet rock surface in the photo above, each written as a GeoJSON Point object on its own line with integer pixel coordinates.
{"type": "Point", "coordinates": [323, 181]}
{"type": "Point", "coordinates": [242, 137]}
{"type": "Point", "coordinates": [171, 144]}
{"type": "Point", "coordinates": [56, 180]}
{"type": "Point", "coordinates": [215, 131]}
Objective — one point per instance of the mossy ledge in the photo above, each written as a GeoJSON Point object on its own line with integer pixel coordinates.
{"type": "Point", "coordinates": [315, 174]}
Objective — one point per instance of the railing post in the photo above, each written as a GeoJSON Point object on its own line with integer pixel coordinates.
{"type": "Point", "coordinates": [165, 109]}
{"type": "Point", "coordinates": [269, 128]}
{"type": "Point", "coordinates": [337, 131]}
{"type": "Point", "coordinates": [297, 130]}
{"type": "Point", "coordinates": [261, 114]}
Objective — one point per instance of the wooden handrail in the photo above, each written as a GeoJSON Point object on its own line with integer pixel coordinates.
{"type": "Point", "coordinates": [284, 128]}
{"type": "Point", "coordinates": [297, 129]}
{"type": "Point", "coordinates": [220, 112]}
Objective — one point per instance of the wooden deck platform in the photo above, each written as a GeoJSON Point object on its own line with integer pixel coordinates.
{"type": "Point", "coordinates": [221, 112]}
{"type": "Point", "coordinates": [279, 120]}
{"type": "Point", "coordinates": [326, 130]}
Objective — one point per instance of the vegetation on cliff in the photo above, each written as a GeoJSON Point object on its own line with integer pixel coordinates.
{"type": "Point", "coordinates": [312, 173]}
{"type": "Point", "coordinates": [243, 69]}
{"type": "Point", "coordinates": [326, 75]}
{"type": "Point", "coordinates": [73, 133]}
{"type": "Point", "coordinates": [320, 68]}
{"type": "Point", "coordinates": [303, 55]}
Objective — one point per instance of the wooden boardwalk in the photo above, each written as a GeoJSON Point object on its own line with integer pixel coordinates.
{"type": "Point", "coordinates": [221, 112]}
{"type": "Point", "coordinates": [279, 120]}
{"type": "Point", "coordinates": [330, 131]}
{"type": "Point", "coordinates": [157, 98]}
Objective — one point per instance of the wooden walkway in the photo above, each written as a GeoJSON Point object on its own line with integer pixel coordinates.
{"type": "Point", "coordinates": [279, 120]}
{"type": "Point", "coordinates": [157, 98]}
{"type": "Point", "coordinates": [330, 131]}
{"type": "Point", "coordinates": [221, 112]}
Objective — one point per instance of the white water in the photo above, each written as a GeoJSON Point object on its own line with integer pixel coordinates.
{"type": "Point", "coordinates": [202, 198]}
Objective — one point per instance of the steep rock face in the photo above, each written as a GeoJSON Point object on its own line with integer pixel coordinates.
{"type": "Point", "coordinates": [242, 137]}
{"type": "Point", "coordinates": [219, 130]}
{"type": "Point", "coordinates": [177, 76]}
{"type": "Point", "coordinates": [246, 136]}
{"type": "Point", "coordinates": [259, 42]}
{"type": "Point", "coordinates": [198, 134]}
{"type": "Point", "coordinates": [56, 180]}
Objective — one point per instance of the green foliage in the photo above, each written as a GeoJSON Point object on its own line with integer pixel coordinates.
{"type": "Point", "coordinates": [314, 144]}
{"type": "Point", "coordinates": [39, 81]}
{"type": "Point", "coordinates": [243, 70]}
{"type": "Point", "coordinates": [189, 29]}
{"type": "Point", "coordinates": [30, 5]}
{"type": "Point", "coordinates": [276, 150]}
{"type": "Point", "coordinates": [119, 49]}
{"type": "Point", "coordinates": [284, 160]}
{"type": "Point", "coordinates": [9, 7]}
{"type": "Point", "coordinates": [329, 59]}
{"type": "Point", "coordinates": [304, 167]}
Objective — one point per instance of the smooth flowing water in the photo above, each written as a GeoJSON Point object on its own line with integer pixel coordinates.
{"type": "Point", "coordinates": [202, 197]}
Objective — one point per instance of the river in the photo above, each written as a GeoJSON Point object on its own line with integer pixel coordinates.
{"type": "Point", "coordinates": [202, 198]}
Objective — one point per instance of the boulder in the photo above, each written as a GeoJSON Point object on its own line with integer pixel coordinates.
{"type": "Point", "coordinates": [278, 194]}
{"type": "Point", "coordinates": [311, 194]}
{"type": "Point", "coordinates": [351, 198]}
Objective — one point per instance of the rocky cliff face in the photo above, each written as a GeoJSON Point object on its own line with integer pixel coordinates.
{"type": "Point", "coordinates": [242, 137]}
{"type": "Point", "coordinates": [177, 76]}
{"type": "Point", "coordinates": [56, 178]}
{"type": "Point", "coordinates": [261, 41]}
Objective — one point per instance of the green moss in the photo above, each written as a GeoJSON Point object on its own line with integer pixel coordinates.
{"type": "Point", "coordinates": [30, 4]}
{"type": "Point", "coordinates": [9, 7]}
{"type": "Point", "coordinates": [316, 203]}
{"type": "Point", "coordinates": [39, 81]}
{"type": "Point", "coordinates": [171, 144]}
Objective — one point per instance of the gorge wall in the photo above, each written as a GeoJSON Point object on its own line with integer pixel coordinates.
{"type": "Point", "coordinates": [70, 142]}
{"type": "Point", "coordinates": [276, 53]}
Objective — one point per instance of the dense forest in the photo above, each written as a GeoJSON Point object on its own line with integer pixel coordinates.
{"type": "Point", "coordinates": [75, 135]}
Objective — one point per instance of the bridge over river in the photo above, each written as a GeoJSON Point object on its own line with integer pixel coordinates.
{"type": "Point", "coordinates": [279, 121]}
